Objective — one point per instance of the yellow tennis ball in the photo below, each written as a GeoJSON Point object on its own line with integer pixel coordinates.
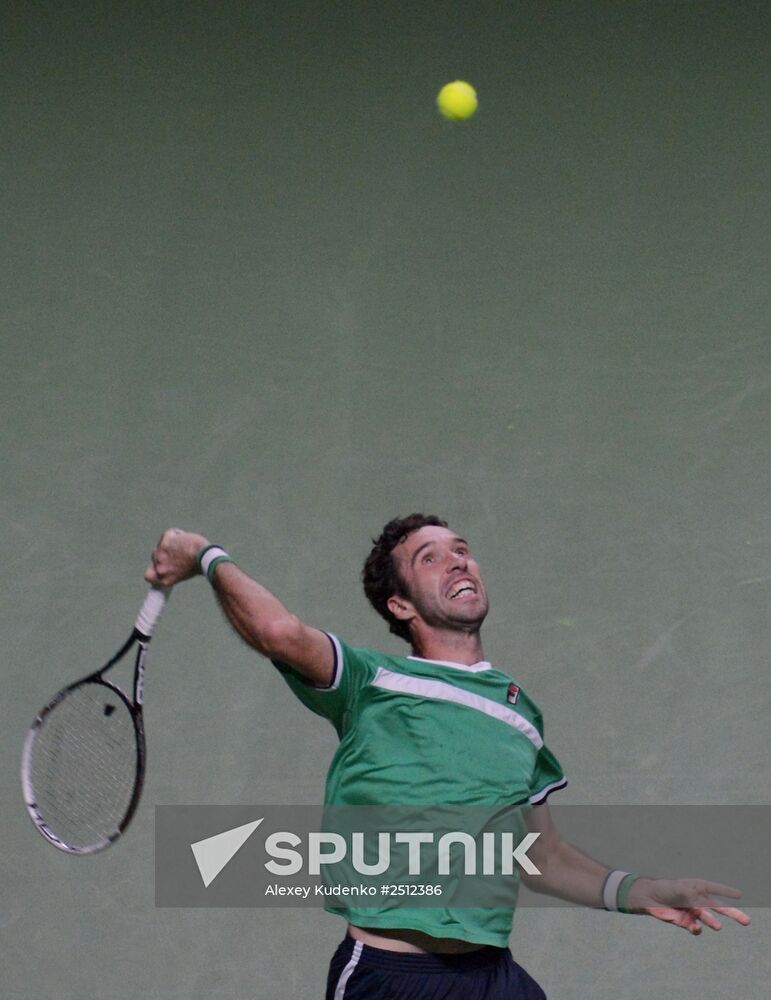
{"type": "Point", "coordinates": [457, 100]}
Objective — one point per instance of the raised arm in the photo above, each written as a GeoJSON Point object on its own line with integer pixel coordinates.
{"type": "Point", "coordinates": [571, 875]}
{"type": "Point", "coordinates": [256, 614]}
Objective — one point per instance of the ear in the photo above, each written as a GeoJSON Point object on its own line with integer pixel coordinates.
{"type": "Point", "coordinates": [401, 608]}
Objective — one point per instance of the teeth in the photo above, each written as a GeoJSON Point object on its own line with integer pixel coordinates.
{"type": "Point", "coordinates": [463, 587]}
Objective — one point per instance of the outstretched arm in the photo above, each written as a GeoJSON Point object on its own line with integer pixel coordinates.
{"type": "Point", "coordinates": [571, 875]}
{"type": "Point", "coordinates": [256, 614]}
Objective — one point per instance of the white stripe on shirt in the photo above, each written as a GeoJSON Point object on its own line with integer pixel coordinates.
{"type": "Point", "coordinates": [422, 687]}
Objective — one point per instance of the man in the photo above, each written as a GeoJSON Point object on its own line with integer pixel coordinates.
{"type": "Point", "coordinates": [441, 725]}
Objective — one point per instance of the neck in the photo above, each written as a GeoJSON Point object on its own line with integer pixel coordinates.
{"type": "Point", "coordinates": [455, 647]}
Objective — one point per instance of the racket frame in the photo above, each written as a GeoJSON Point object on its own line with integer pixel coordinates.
{"type": "Point", "coordinates": [140, 637]}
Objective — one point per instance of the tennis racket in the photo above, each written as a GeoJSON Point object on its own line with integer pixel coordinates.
{"type": "Point", "coordinates": [83, 762]}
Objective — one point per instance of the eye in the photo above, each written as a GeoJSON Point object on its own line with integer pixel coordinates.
{"type": "Point", "coordinates": [427, 559]}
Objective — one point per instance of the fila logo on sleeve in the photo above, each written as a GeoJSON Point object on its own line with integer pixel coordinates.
{"type": "Point", "coordinates": [512, 694]}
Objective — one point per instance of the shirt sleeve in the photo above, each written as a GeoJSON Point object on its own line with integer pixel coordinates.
{"type": "Point", "coordinates": [353, 670]}
{"type": "Point", "coordinates": [547, 776]}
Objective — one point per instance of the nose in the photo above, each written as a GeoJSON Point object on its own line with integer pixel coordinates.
{"type": "Point", "coordinates": [458, 560]}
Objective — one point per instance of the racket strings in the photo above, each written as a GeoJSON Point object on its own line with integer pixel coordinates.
{"type": "Point", "coordinates": [84, 765]}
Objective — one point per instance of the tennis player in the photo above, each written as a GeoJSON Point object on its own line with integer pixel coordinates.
{"type": "Point", "coordinates": [440, 725]}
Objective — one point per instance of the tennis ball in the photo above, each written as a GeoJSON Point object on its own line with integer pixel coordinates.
{"type": "Point", "coordinates": [457, 100]}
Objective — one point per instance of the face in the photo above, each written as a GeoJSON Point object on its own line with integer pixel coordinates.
{"type": "Point", "coordinates": [441, 580]}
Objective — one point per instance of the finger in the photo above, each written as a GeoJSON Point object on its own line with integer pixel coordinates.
{"type": "Point", "coordinates": [738, 915]}
{"type": "Point", "coordinates": [151, 576]}
{"type": "Point", "coordinates": [690, 923]}
{"type": "Point", "coordinates": [678, 918]}
{"type": "Point", "coordinates": [717, 889]}
{"type": "Point", "coordinates": [709, 919]}
{"type": "Point", "coordinates": [682, 918]}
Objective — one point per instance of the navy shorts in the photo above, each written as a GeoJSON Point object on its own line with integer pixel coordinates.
{"type": "Point", "coordinates": [359, 972]}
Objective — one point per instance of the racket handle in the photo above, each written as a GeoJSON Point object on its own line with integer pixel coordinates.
{"type": "Point", "coordinates": [151, 611]}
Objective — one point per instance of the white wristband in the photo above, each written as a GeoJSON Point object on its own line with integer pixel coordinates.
{"type": "Point", "coordinates": [212, 553]}
{"type": "Point", "coordinates": [610, 889]}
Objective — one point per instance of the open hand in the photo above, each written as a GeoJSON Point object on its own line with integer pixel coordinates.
{"type": "Point", "coordinates": [686, 902]}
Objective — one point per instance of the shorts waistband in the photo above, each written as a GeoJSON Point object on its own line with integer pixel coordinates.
{"type": "Point", "coordinates": [423, 962]}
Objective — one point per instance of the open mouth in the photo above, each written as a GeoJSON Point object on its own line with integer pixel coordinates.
{"type": "Point", "coordinates": [461, 588]}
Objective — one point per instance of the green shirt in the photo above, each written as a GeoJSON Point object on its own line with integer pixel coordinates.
{"type": "Point", "coordinates": [415, 731]}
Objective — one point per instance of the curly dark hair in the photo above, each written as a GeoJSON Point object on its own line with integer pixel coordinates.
{"type": "Point", "coordinates": [380, 577]}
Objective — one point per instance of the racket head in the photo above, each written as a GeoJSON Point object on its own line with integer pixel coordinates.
{"type": "Point", "coordinates": [83, 766]}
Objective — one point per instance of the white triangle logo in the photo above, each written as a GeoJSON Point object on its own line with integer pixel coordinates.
{"type": "Point", "coordinates": [212, 854]}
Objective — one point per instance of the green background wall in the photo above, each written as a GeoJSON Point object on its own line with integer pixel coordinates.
{"type": "Point", "coordinates": [251, 284]}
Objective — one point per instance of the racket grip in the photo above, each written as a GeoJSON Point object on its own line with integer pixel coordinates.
{"type": "Point", "coordinates": [151, 611]}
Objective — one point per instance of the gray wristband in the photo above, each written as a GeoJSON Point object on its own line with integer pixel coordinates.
{"type": "Point", "coordinates": [610, 888]}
